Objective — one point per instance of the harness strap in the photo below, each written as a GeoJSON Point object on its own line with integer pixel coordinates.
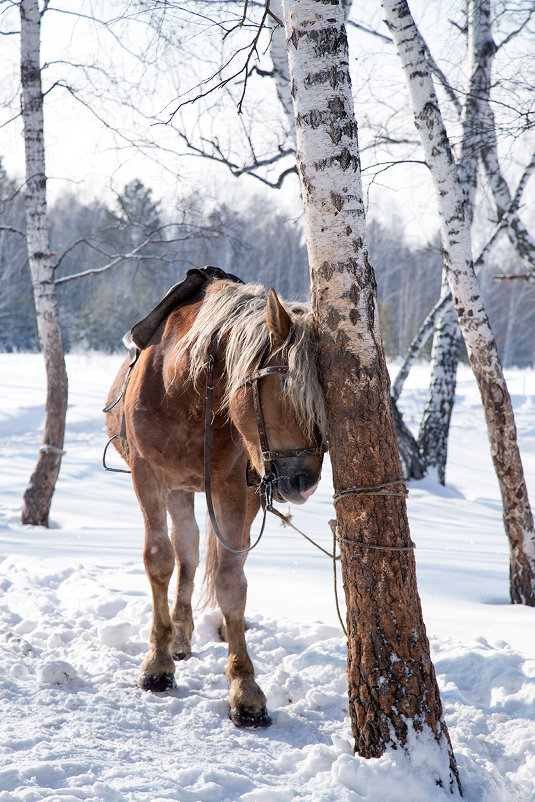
{"type": "Point", "coordinates": [259, 374]}
{"type": "Point", "coordinates": [293, 452]}
{"type": "Point", "coordinates": [269, 455]}
{"type": "Point", "coordinates": [133, 352]}
{"type": "Point", "coordinates": [208, 456]}
{"type": "Point", "coordinates": [262, 435]}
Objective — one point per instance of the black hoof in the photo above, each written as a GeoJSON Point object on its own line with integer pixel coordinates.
{"type": "Point", "coordinates": [250, 717]}
{"type": "Point", "coordinates": [158, 683]}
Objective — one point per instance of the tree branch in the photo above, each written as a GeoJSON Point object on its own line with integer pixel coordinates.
{"type": "Point", "coordinates": [249, 169]}
{"type": "Point", "coordinates": [13, 230]}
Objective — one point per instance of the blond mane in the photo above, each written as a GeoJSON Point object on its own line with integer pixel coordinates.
{"type": "Point", "coordinates": [236, 314]}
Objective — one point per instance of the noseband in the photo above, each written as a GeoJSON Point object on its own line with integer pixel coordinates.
{"type": "Point", "coordinates": [267, 482]}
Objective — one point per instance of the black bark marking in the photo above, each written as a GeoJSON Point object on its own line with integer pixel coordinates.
{"type": "Point", "coordinates": [337, 201]}
{"type": "Point", "coordinates": [326, 271]}
{"type": "Point", "coordinates": [333, 319]}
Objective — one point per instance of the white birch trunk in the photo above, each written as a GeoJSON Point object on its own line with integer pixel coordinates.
{"type": "Point", "coordinates": [38, 495]}
{"type": "Point", "coordinates": [475, 327]}
{"type": "Point", "coordinates": [392, 686]}
{"type": "Point", "coordinates": [483, 50]}
{"type": "Point", "coordinates": [435, 424]}
{"type": "Point", "coordinates": [279, 59]}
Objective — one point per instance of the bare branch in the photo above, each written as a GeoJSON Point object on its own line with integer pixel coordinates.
{"type": "Point", "coordinates": [526, 175]}
{"type": "Point", "coordinates": [445, 84]}
{"type": "Point", "coordinates": [371, 31]}
{"type": "Point", "coordinates": [13, 230]}
{"type": "Point", "coordinates": [249, 169]}
{"type": "Point", "coordinates": [251, 49]}
{"type": "Point", "coordinates": [514, 277]}
{"type": "Point", "coordinates": [517, 30]}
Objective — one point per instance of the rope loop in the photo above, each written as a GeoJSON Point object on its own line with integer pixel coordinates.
{"type": "Point", "coordinates": [361, 544]}
{"type": "Point", "coordinates": [373, 490]}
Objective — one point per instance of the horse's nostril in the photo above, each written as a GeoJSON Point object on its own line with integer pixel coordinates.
{"type": "Point", "coordinates": [300, 482]}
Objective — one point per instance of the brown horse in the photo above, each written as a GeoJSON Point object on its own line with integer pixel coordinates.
{"type": "Point", "coordinates": [232, 327]}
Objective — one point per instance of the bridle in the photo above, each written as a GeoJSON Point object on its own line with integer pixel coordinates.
{"type": "Point", "coordinates": [266, 483]}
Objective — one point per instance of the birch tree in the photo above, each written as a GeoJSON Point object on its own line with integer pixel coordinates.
{"type": "Point", "coordinates": [392, 685]}
{"type": "Point", "coordinates": [38, 495]}
{"type": "Point", "coordinates": [435, 424]}
{"type": "Point", "coordinates": [473, 320]}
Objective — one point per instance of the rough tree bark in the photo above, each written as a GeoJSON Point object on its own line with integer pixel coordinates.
{"type": "Point", "coordinates": [392, 685]}
{"type": "Point", "coordinates": [38, 495]}
{"type": "Point", "coordinates": [473, 320]}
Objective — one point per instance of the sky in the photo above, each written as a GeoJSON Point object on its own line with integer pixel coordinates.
{"type": "Point", "coordinates": [88, 157]}
{"type": "Point", "coordinates": [116, 90]}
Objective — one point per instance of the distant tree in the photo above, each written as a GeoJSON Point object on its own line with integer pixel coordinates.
{"type": "Point", "coordinates": [473, 320]}
{"type": "Point", "coordinates": [18, 328]}
{"type": "Point", "coordinates": [38, 495]}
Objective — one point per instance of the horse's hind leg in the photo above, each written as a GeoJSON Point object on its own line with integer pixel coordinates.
{"type": "Point", "coordinates": [247, 700]}
{"type": "Point", "coordinates": [158, 668]}
{"type": "Point", "coordinates": [185, 537]}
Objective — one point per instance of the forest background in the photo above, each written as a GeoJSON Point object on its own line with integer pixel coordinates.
{"type": "Point", "coordinates": [130, 191]}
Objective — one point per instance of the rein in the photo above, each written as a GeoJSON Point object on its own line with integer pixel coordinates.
{"type": "Point", "coordinates": [269, 480]}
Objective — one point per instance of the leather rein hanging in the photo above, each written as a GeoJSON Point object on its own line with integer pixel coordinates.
{"type": "Point", "coordinates": [267, 482]}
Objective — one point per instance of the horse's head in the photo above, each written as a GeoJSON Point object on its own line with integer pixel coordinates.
{"type": "Point", "coordinates": [278, 427]}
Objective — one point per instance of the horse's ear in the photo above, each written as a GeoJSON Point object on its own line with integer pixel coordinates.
{"type": "Point", "coordinates": [278, 320]}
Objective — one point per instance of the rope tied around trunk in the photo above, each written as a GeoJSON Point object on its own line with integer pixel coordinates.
{"type": "Point", "coordinates": [373, 490]}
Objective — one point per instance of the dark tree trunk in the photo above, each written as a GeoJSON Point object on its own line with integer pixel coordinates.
{"type": "Point", "coordinates": [391, 680]}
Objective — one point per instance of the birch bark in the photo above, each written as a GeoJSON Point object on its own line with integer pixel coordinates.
{"type": "Point", "coordinates": [435, 424]}
{"type": "Point", "coordinates": [392, 684]}
{"type": "Point", "coordinates": [38, 495]}
{"type": "Point", "coordinates": [475, 327]}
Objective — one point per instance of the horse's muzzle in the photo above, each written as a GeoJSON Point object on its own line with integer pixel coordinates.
{"type": "Point", "coordinates": [295, 483]}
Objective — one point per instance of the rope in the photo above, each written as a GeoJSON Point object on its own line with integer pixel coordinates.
{"type": "Point", "coordinates": [332, 524]}
{"type": "Point", "coordinates": [286, 521]}
{"type": "Point", "coordinates": [363, 545]}
{"type": "Point", "coordinates": [373, 490]}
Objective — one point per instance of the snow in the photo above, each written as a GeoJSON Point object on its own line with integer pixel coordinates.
{"type": "Point", "coordinates": [75, 613]}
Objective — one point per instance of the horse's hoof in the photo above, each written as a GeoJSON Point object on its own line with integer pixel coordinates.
{"type": "Point", "coordinates": [157, 683]}
{"type": "Point", "coordinates": [181, 655]}
{"type": "Point", "coordinates": [250, 716]}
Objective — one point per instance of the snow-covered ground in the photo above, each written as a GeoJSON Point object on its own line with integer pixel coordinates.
{"type": "Point", "coordinates": [75, 614]}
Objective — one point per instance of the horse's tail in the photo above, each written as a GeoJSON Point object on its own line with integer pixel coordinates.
{"type": "Point", "coordinates": [210, 567]}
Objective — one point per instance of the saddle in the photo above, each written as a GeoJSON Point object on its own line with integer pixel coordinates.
{"type": "Point", "coordinates": [141, 333]}
{"type": "Point", "coordinates": [139, 336]}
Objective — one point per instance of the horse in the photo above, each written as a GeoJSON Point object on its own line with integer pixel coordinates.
{"type": "Point", "coordinates": [248, 343]}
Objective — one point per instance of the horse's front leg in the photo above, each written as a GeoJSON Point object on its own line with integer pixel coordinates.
{"type": "Point", "coordinates": [158, 668]}
{"type": "Point", "coordinates": [247, 700]}
{"type": "Point", "coordinates": [185, 537]}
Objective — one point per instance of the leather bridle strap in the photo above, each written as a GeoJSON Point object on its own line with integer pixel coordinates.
{"type": "Point", "coordinates": [209, 411]}
{"type": "Point", "coordinates": [267, 482]}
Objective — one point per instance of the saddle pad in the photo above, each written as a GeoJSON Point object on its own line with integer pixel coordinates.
{"type": "Point", "coordinates": [141, 333]}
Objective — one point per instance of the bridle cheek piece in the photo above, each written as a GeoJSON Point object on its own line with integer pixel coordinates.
{"type": "Point", "coordinates": [267, 482]}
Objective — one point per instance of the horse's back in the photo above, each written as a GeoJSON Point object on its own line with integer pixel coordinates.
{"type": "Point", "coordinates": [154, 377]}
